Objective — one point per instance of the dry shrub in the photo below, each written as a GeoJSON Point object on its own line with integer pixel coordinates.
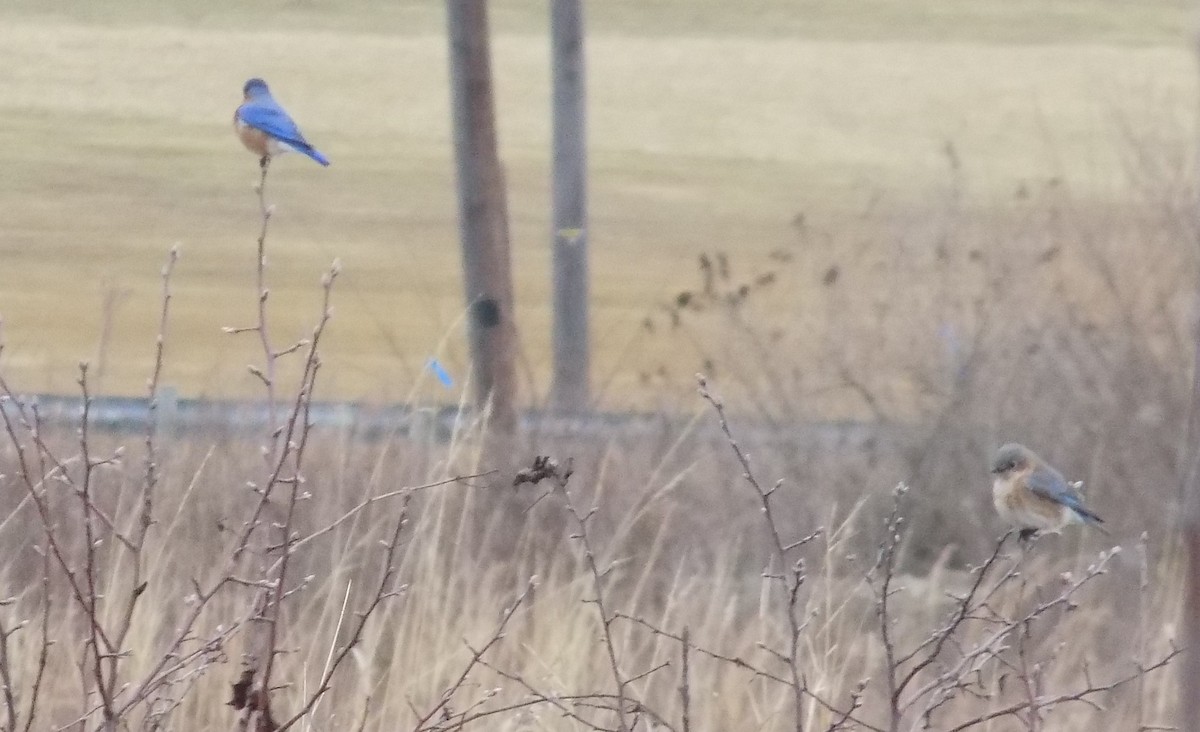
{"type": "Point", "coordinates": [679, 545]}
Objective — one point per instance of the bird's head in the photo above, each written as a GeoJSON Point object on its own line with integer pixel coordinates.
{"type": "Point", "coordinates": [1012, 458]}
{"type": "Point", "coordinates": [254, 88]}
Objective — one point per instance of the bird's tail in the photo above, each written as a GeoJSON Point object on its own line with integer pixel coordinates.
{"type": "Point", "coordinates": [315, 154]}
{"type": "Point", "coordinates": [1089, 518]}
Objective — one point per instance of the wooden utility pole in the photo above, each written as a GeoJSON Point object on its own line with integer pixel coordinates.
{"type": "Point", "coordinates": [483, 218]}
{"type": "Point", "coordinates": [569, 392]}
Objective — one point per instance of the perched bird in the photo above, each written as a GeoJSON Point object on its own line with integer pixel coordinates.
{"type": "Point", "coordinates": [266, 129]}
{"type": "Point", "coordinates": [1032, 496]}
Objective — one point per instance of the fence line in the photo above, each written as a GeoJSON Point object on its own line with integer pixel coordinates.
{"type": "Point", "coordinates": [179, 415]}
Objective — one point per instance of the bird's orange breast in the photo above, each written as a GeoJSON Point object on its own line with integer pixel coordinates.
{"type": "Point", "coordinates": [255, 140]}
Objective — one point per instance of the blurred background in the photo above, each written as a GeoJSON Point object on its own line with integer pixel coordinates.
{"type": "Point", "coordinates": [894, 235]}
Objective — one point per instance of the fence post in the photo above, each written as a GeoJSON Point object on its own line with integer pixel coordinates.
{"type": "Point", "coordinates": [167, 417]}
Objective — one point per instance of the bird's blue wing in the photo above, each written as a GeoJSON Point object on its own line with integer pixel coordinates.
{"type": "Point", "coordinates": [265, 114]}
{"type": "Point", "coordinates": [1050, 485]}
{"type": "Point", "coordinates": [268, 116]}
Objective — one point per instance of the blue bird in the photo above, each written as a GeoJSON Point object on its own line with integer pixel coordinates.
{"type": "Point", "coordinates": [266, 129]}
{"type": "Point", "coordinates": [441, 373]}
{"type": "Point", "coordinates": [1032, 496]}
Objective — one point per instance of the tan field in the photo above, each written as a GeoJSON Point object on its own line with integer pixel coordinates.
{"type": "Point", "coordinates": [710, 130]}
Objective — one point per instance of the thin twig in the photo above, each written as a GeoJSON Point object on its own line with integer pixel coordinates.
{"type": "Point", "coordinates": [476, 659]}
{"type": "Point", "coordinates": [792, 576]}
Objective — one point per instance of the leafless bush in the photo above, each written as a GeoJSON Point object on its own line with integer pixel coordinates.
{"type": "Point", "coordinates": [99, 542]}
{"type": "Point", "coordinates": [619, 630]}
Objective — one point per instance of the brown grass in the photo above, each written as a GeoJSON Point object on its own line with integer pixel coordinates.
{"type": "Point", "coordinates": [684, 542]}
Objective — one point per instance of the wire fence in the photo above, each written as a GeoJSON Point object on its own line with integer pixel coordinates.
{"type": "Point", "coordinates": [173, 414]}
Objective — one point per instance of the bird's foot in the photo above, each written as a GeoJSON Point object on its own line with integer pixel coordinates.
{"type": "Point", "coordinates": [1026, 535]}
{"type": "Point", "coordinates": [264, 161]}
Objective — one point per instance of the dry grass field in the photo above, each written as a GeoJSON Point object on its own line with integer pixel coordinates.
{"type": "Point", "coordinates": [955, 222]}
{"type": "Point", "coordinates": [494, 624]}
{"type": "Point", "coordinates": [711, 130]}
